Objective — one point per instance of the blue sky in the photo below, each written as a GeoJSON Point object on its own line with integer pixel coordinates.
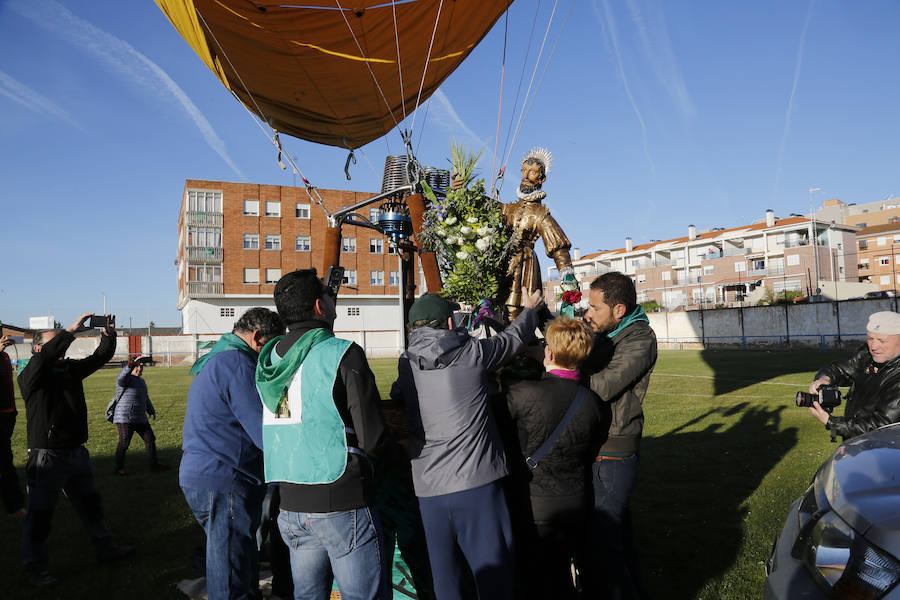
{"type": "Point", "coordinates": [659, 115]}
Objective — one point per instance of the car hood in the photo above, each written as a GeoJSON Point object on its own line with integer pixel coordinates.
{"type": "Point", "coordinates": [862, 483]}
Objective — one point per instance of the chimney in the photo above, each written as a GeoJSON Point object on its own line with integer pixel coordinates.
{"type": "Point", "coordinates": [628, 246]}
{"type": "Point", "coordinates": [692, 232]}
{"type": "Point", "coordinates": [770, 218]}
{"type": "Point", "coordinates": [576, 253]}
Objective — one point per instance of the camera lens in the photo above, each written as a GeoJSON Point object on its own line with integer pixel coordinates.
{"type": "Point", "coordinates": [805, 398]}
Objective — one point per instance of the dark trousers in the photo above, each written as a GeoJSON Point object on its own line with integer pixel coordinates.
{"type": "Point", "coordinates": [470, 527]}
{"type": "Point", "coordinates": [277, 552]}
{"type": "Point", "coordinates": [126, 431]}
{"type": "Point", "coordinates": [10, 490]}
{"type": "Point", "coordinates": [48, 472]}
{"type": "Point", "coordinates": [613, 570]}
{"type": "Point", "coordinates": [546, 558]}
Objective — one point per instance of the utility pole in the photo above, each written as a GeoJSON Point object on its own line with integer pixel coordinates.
{"type": "Point", "coordinates": [815, 236]}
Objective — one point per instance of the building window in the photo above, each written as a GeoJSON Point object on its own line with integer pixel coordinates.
{"type": "Point", "coordinates": [885, 279]}
{"type": "Point", "coordinates": [226, 312]}
{"type": "Point", "coordinates": [208, 237]}
{"type": "Point", "coordinates": [301, 211]}
{"type": "Point", "coordinates": [884, 261]}
{"type": "Point", "coordinates": [881, 241]}
{"type": "Point", "coordinates": [392, 249]}
{"type": "Point", "coordinates": [273, 275]}
{"type": "Point", "coordinates": [740, 266]}
{"type": "Point", "coordinates": [251, 208]}
{"type": "Point", "coordinates": [352, 311]}
{"type": "Point", "coordinates": [863, 244]}
{"type": "Point", "coordinates": [273, 241]}
{"type": "Point", "coordinates": [273, 208]}
{"type": "Point", "coordinates": [349, 277]}
{"type": "Point", "coordinates": [642, 278]}
{"type": "Point", "coordinates": [205, 273]}
{"type": "Point", "coordinates": [251, 275]}
{"type": "Point", "coordinates": [302, 243]}
{"type": "Point", "coordinates": [376, 245]}
{"type": "Point", "coordinates": [793, 259]}
{"type": "Point", "coordinates": [374, 213]}
{"type": "Point", "coordinates": [251, 241]}
{"type": "Point", "coordinates": [863, 225]}
{"type": "Point", "coordinates": [348, 245]}
{"type": "Point", "coordinates": [204, 201]}
{"type": "Point", "coordinates": [376, 277]}
{"type": "Point", "coordinates": [708, 269]}
{"type": "Point", "coordinates": [667, 275]}
{"type": "Point", "coordinates": [759, 265]}
{"type": "Point", "coordinates": [394, 278]}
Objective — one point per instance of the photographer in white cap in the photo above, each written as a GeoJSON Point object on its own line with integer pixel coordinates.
{"type": "Point", "coordinates": [873, 373]}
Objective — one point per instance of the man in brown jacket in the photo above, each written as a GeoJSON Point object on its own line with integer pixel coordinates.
{"type": "Point", "coordinates": [619, 372]}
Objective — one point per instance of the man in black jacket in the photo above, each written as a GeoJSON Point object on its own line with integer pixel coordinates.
{"type": "Point", "coordinates": [619, 368]}
{"type": "Point", "coordinates": [874, 374]}
{"type": "Point", "coordinates": [51, 387]}
{"type": "Point", "coordinates": [322, 422]}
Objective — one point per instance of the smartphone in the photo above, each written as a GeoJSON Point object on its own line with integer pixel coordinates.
{"type": "Point", "coordinates": [17, 339]}
{"type": "Point", "coordinates": [334, 279]}
{"type": "Point", "coordinates": [98, 321]}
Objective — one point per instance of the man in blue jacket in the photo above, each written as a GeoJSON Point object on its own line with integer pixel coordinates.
{"type": "Point", "coordinates": [221, 471]}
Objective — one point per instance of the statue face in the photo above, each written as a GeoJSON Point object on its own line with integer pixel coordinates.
{"type": "Point", "coordinates": [532, 175]}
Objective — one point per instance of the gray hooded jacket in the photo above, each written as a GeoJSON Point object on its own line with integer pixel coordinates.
{"type": "Point", "coordinates": [443, 378]}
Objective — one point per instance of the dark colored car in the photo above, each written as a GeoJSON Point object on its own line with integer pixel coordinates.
{"type": "Point", "coordinates": [842, 537]}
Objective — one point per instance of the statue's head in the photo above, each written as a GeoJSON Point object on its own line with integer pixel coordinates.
{"type": "Point", "coordinates": [535, 167]}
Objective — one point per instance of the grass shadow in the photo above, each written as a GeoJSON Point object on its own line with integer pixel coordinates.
{"type": "Point", "coordinates": [734, 370]}
{"type": "Point", "coordinates": [691, 500]}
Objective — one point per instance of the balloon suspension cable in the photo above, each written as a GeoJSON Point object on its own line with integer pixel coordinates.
{"type": "Point", "coordinates": [343, 11]}
{"type": "Point", "coordinates": [500, 103]}
{"type": "Point", "coordinates": [273, 138]}
{"type": "Point", "coordinates": [537, 63]}
{"type": "Point", "coordinates": [498, 183]}
{"type": "Point", "coordinates": [437, 20]}
{"type": "Point", "coordinates": [399, 64]}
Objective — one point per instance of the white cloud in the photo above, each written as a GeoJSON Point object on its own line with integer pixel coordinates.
{"type": "Point", "coordinates": [124, 59]}
{"type": "Point", "coordinates": [30, 99]}
{"type": "Point", "coordinates": [441, 111]}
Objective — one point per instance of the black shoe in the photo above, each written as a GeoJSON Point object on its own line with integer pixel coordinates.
{"type": "Point", "coordinates": [41, 579]}
{"type": "Point", "coordinates": [114, 552]}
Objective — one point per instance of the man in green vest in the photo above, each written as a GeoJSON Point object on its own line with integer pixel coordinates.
{"type": "Point", "coordinates": [322, 422]}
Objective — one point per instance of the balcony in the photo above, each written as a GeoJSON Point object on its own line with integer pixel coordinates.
{"type": "Point", "coordinates": [690, 280]}
{"type": "Point", "coordinates": [796, 243]}
{"type": "Point", "coordinates": [726, 253]}
{"type": "Point", "coordinates": [757, 272]}
{"type": "Point", "coordinates": [204, 255]}
{"type": "Point", "coordinates": [204, 288]}
{"type": "Point", "coordinates": [203, 219]}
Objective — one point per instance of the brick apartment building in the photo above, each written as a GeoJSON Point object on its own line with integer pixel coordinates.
{"type": "Point", "coordinates": [878, 255]}
{"type": "Point", "coordinates": [236, 239]}
{"type": "Point", "coordinates": [727, 267]}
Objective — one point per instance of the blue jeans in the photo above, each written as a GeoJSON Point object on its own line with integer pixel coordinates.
{"type": "Point", "coordinates": [230, 521]}
{"type": "Point", "coordinates": [345, 545]}
{"type": "Point", "coordinates": [473, 528]}
{"type": "Point", "coordinates": [614, 570]}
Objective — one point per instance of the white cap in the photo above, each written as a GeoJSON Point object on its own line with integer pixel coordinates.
{"type": "Point", "coordinates": [884, 322]}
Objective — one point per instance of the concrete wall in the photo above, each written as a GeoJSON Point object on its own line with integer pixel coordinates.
{"type": "Point", "coordinates": [821, 324]}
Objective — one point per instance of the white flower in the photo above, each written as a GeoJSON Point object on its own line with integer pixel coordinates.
{"type": "Point", "coordinates": [450, 220]}
{"type": "Point", "coordinates": [451, 239]}
{"type": "Point", "coordinates": [462, 255]}
{"type": "Point", "coordinates": [472, 220]}
{"type": "Point", "coordinates": [441, 232]}
{"type": "Point", "coordinates": [483, 230]}
{"type": "Point", "coordinates": [466, 231]}
{"type": "Point", "coordinates": [482, 244]}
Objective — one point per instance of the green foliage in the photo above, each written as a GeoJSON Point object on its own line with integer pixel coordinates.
{"type": "Point", "coordinates": [465, 230]}
{"type": "Point", "coordinates": [651, 306]}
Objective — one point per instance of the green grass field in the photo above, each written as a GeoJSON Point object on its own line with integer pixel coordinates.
{"type": "Point", "coordinates": [725, 451]}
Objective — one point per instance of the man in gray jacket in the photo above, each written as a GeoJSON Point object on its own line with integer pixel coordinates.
{"type": "Point", "coordinates": [455, 446]}
{"type": "Point", "coordinates": [619, 369]}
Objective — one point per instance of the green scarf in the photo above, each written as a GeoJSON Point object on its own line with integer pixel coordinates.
{"type": "Point", "coordinates": [636, 315]}
{"type": "Point", "coordinates": [272, 380]}
{"type": "Point", "coordinates": [228, 341]}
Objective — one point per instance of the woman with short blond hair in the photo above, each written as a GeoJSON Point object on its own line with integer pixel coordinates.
{"type": "Point", "coordinates": [558, 487]}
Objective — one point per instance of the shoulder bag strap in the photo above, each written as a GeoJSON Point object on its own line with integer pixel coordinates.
{"type": "Point", "coordinates": [533, 460]}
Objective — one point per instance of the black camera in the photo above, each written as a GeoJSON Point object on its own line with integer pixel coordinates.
{"type": "Point", "coordinates": [828, 397]}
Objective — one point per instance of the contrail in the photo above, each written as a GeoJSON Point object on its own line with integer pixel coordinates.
{"type": "Point", "coordinates": [658, 50]}
{"type": "Point", "coordinates": [30, 99]}
{"type": "Point", "coordinates": [123, 58]}
{"type": "Point", "coordinates": [445, 116]}
{"type": "Point", "coordinates": [790, 106]}
{"type": "Point", "coordinates": [607, 21]}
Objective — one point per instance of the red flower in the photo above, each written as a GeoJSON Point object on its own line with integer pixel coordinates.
{"type": "Point", "coordinates": [571, 297]}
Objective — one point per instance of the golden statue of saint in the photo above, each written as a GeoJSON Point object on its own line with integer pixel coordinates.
{"type": "Point", "coordinates": [531, 220]}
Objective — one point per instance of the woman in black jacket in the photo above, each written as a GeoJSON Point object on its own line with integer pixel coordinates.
{"type": "Point", "coordinates": [559, 486]}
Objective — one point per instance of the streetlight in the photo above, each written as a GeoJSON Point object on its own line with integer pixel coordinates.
{"type": "Point", "coordinates": [815, 236]}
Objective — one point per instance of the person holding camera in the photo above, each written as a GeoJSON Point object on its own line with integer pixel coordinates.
{"type": "Point", "coordinates": [873, 373]}
{"type": "Point", "coordinates": [132, 407]}
{"type": "Point", "coordinates": [56, 412]}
